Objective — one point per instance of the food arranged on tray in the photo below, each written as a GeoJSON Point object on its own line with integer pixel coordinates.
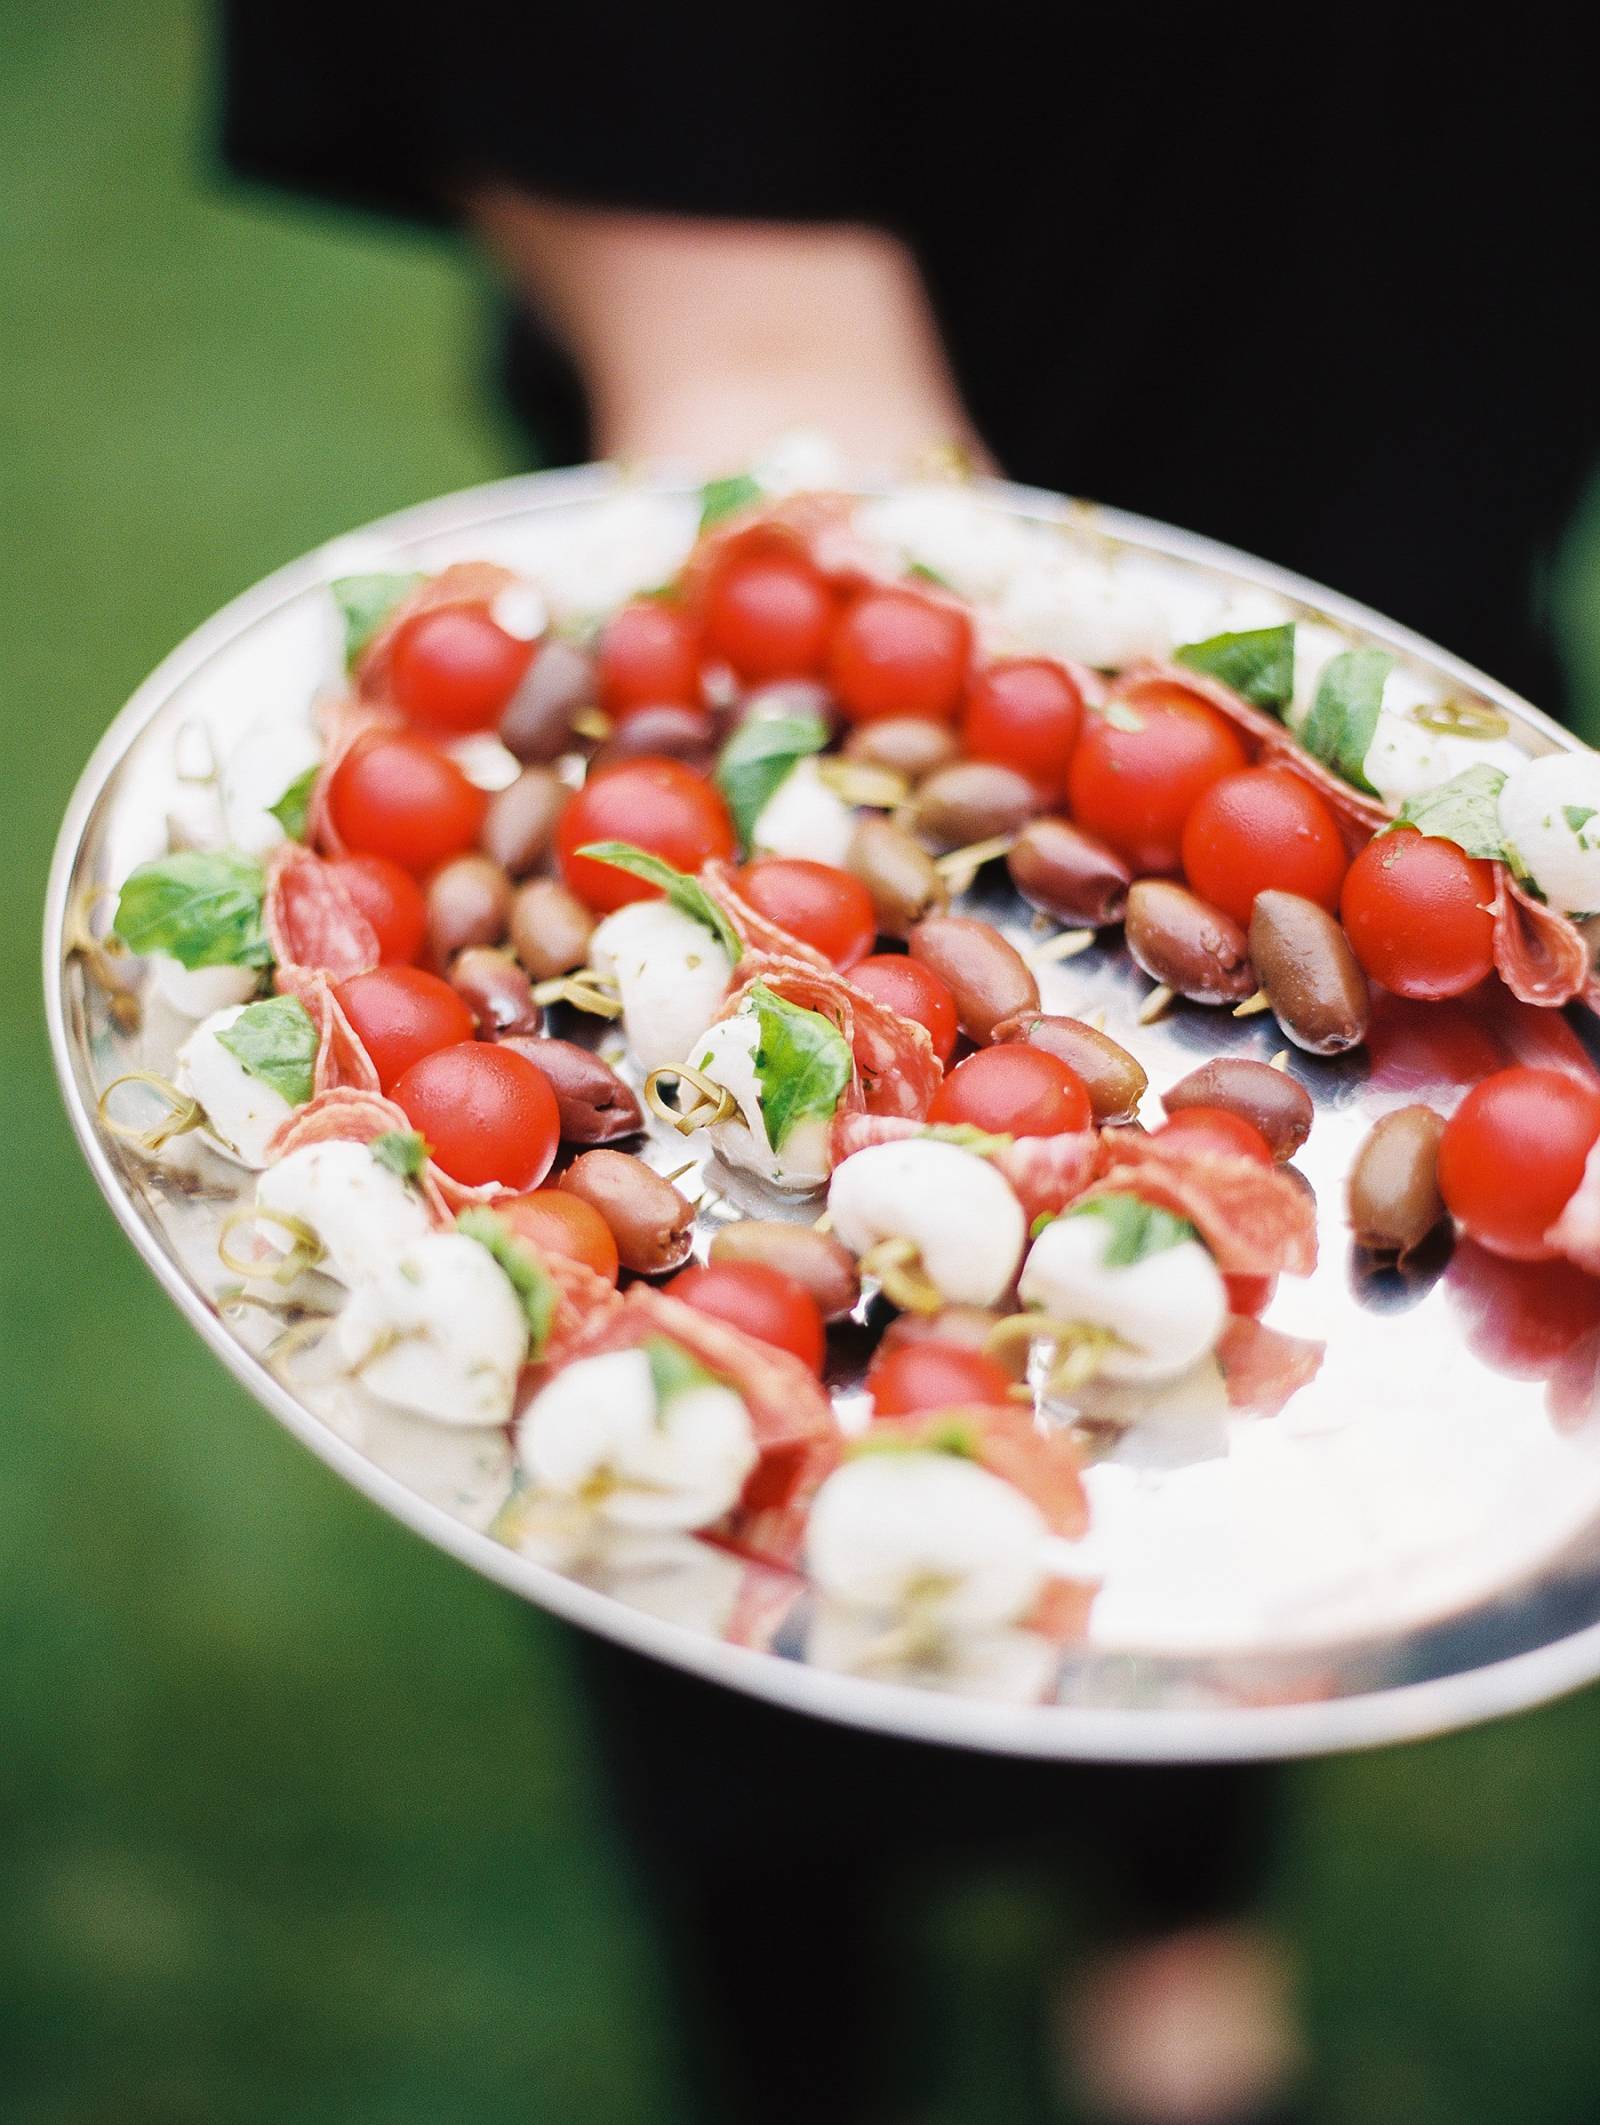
{"type": "Point", "coordinates": [554, 889]}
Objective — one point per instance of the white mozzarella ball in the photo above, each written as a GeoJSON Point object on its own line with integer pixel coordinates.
{"type": "Point", "coordinates": [256, 773]}
{"type": "Point", "coordinates": [438, 1330]}
{"type": "Point", "coordinates": [361, 1211]}
{"type": "Point", "coordinates": [670, 972]}
{"type": "Point", "coordinates": [929, 1532]}
{"type": "Point", "coordinates": [963, 537]}
{"type": "Point", "coordinates": [1166, 1312]}
{"type": "Point", "coordinates": [1550, 814]}
{"type": "Point", "coordinates": [727, 1054]}
{"type": "Point", "coordinates": [800, 461]}
{"type": "Point", "coordinates": [1315, 646]}
{"type": "Point", "coordinates": [243, 1112]}
{"type": "Point", "coordinates": [960, 1214]}
{"type": "Point", "coordinates": [596, 558]}
{"type": "Point", "coordinates": [803, 817]}
{"type": "Point", "coordinates": [195, 992]}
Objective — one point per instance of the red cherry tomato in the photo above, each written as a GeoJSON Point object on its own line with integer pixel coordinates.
{"type": "Point", "coordinates": [763, 1302]}
{"type": "Point", "coordinates": [1262, 830]}
{"type": "Point", "coordinates": [657, 804]}
{"type": "Point", "coordinates": [488, 1114]}
{"type": "Point", "coordinates": [1216, 1131]}
{"type": "Point", "coordinates": [649, 657]}
{"type": "Point", "coordinates": [915, 991]}
{"type": "Point", "coordinates": [398, 796]}
{"type": "Point", "coordinates": [769, 616]}
{"type": "Point", "coordinates": [1013, 1090]}
{"type": "Point", "coordinates": [1141, 765]}
{"type": "Point", "coordinates": [911, 1376]}
{"type": "Point", "coordinates": [1024, 712]}
{"type": "Point", "coordinates": [1511, 1155]}
{"type": "Point", "coordinates": [454, 668]}
{"type": "Point", "coordinates": [392, 902]}
{"type": "Point", "coordinates": [896, 653]}
{"type": "Point", "coordinates": [824, 907]}
{"type": "Point", "coordinates": [401, 1014]}
{"type": "Point", "coordinates": [1416, 911]}
{"type": "Point", "coordinates": [559, 1223]}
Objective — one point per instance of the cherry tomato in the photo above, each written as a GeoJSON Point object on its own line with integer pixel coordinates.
{"type": "Point", "coordinates": [763, 1302]}
{"type": "Point", "coordinates": [559, 1223]}
{"type": "Point", "coordinates": [896, 653]}
{"type": "Point", "coordinates": [915, 991]}
{"type": "Point", "coordinates": [1024, 712]}
{"type": "Point", "coordinates": [1416, 911]}
{"type": "Point", "coordinates": [1217, 1131]}
{"type": "Point", "coordinates": [1511, 1155]}
{"type": "Point", "coordinates": [908, 1377]}
{"type": "Point", "coordinates": [657, 804]}
{"type": "Point", "coordinates": [649, 657]}
{"type": "Point", "coordinates": [454, 668]}
{"type": "Point", "coordinates": [392, 902]}
{"type": "Point", "coordinates": [488, 1114]}
{"type": "Point", "coordinates": [824, 907]}
{"type": "Point", "coordinates": [769, 615]}
{"type": "Point", "coordinates": [1262, 830]}
{"type": "Point", "coordinates": [1013, 1090]}
{"type": "Point", "coordinates": [401, 1014]}
{"type": "Point", "coordinates": [398, 796]}
{"type": "Point", "coordinates": [1141, 765]}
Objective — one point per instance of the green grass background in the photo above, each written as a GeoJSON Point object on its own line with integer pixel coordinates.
{"type": "Point", "coordinates": [295, 1816]}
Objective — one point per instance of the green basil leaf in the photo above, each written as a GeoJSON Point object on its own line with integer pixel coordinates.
{"type": "Point", "coordinates": [1258, 663]}
{"type": "Point", "coordinates": [293, 807]}
{"type": "Point", "coordinates": [1138, 1229]}
{"type": "Point", "coordinates": [1045, 1217]}
{"type": "Point", "coordinates": [365, 602]}
{"type": "Point", "coordinates": [686, 894]}
{"type": "Point", "coordinates": [802, 1061]}
{"type": "Point", "coordinates": [672, 1370]}
{"type": "Point", "coordinates": [920, 572]}
{"type": "Point", "coordinates": [276, 1041]}
{"type": "Point", "coordinates": [720, 498]}
{"type": "Point", "coordinates": [1345, 713]}
{"type": "Point", "coordinates": [201, 905]}
{"type": "Point", "coordinates": [758, 757]}
{"type": "Point", "coordinates": [536, 1294]}
{"type": "Point", "coordinates": [968, 1138]}
{"type": "Point", "coordinates": [1465, 810]}
{"type": "Point", "coordinates": [948, 1436]}
{"type": "Point", "coordinates": [1577, 816]}
{"type": "Point", "coordinates": [403, 1151]}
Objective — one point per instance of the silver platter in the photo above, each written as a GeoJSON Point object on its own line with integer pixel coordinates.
{"type": "Point", "coordinates": [1413, 1544]}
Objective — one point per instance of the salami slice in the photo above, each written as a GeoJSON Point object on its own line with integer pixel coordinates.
{"type": "Point", "coordinates": [347, 1114]}
{"type": "Point", "coordinates": [311, 920]}
{"type": "Point", "coordinates": [757, 932]}
{"type": "Point", "coordinates": [897, 1072]}
{"type": "Point", "coordinates": [1045, 1172]}
{"type": "Point", "coordinates": [1262, 1368]}
{"type": "Point", "coordinates": [342, 1059]}
{"type": "Point", "coordinates": [1256, 1220]}
{"type": "Point", "coordinates": [1539, 955]}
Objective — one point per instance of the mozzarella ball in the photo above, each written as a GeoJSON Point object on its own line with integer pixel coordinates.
{"type": "Point", "coordinates": [727, 1055]}
{"type": "Point", "coordinates": [1165, 1312]}
{"type": "Point", "coordinates": [195, 992]}
{"type": "Point", "coordinates": [361, 1211]}
{"type": "Point", "coordinates": [243, 1112]}
{"type": "Point", "coordinates": [960, 1214]}
{"type": "Point", "coordinates": [438, 1330]}
{"type": "Point", "coordinates": [256, 773]}
{"type": "Point", "coordinates": [803, 817]}
{"type": "Point", "coordinates": [1550, 814]}
{"type": "Point", "coordinates": [671, 974]}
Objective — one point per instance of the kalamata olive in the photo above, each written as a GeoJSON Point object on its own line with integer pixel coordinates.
{"type": "Point", "coordinates": [650, 1221]}
{"type": "Point", "coordinates": [496, 991]}
{"type": "Point", "coordinates": [1269, 1100]}
{"type": "Point", "coordinates": [1185, 943]}
{"type": "Point", "coordinates": [972, 800]}
{"type": "Point", "coordinates": [595, 1106]}
{"type": "Point", "coordinates": [898, 872]}
{"type": "Point", "coordinates": [550, 928]}
{"type": "Point", "coordinates": [988, 977]}
{"type": "Point", "coordinates": [1311, 977]}
{"type": "Point", "coordinates": [1114, 1080]}
{"type": "Point", "coordinates": [1394, 1197]}
{"type": "Point", "coordinates": [814, 1259]}
{"type": "Point", "coordinates": [537, 724]}
{"type": "Point", "coordinates": [681, 733]}
{"type": "Point", "coordinates": [1058, 868]}
{"type": "Point", "coordinates": [469, 902]}
{"type": "Point", "coordinates": [521, 819]}
{"type": "Point", "coordinates": [969, 1327]}
{"type": "Point", "coordinates": [909, 745]}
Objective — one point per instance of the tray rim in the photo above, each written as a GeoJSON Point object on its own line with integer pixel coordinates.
{"type": "Point", "coordinates": [1369, 1719]}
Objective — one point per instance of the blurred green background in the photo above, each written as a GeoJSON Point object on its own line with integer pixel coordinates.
{"type": "Point", "coordinates": [296, 1820]}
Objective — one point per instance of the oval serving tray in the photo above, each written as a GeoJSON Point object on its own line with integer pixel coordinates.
{"type": "Point", "coordinates": [1413, 1543]}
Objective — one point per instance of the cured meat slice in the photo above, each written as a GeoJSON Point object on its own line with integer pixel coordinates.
{"type": "Point", "coordinates": [897, 1071]}
{"type": "Point", "coordinates": [311, 920]}
{"type": "Point", "coordinates": [1539, 955]}
{"type": "Point", "coordinates": [1046, 1172]}
{"type": "Point", "coordinates": [757, 932]}
{"type": "Point", "coordinates": [1256, 1220]}
{"type": "Point", "coordinates": [1262, 1368]}
{"type": "Point", "coordinates": [347, 1114]}
{"type": "Point", "coordinates": [342, 1058]}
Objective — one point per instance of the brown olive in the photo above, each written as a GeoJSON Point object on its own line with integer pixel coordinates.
{"type": "Point", "coordinates": [988, 977]}
{"type": "Point", "coordinates": [1185, 943]}
{"type": "Point", "coordinates": [469, 902]}
{"type": "Point", "coordinates": [1393, 1197]}
{"type": "Point", "coordinates": [537, 724]}
{"type": "Point", "coordinates": [1114, 1080]}
{"type": "Point", "coordinates": [1304, 963]}
{"type": "Point", "coordinates": [969, 1327]}
{"type": "Point", "coordinates": [595, 1106]}
{"type": "Point", "coordinates": [909, 745]}
{"type": "Point", "coordinates": [679, 732]}
{"type": "Point", "coordinates": [815, 1259]}
{"type": "Point", "coordinates": [972, 800]}
{"type": "Point", "coordinates": [1269, 1100]}
{"type": "Point", "coordinates": [521, 820]}
{"type": "Point", "coordinates": [550, 928]}
{"type": "Point", "coordinates": [496, 991]}
{"type": "Point", "coordinates": [898, 872]}
{"type": "Point", "coordinates": [650, 1221]}
{"type": "Point", "coordinates": [1058, 868]}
